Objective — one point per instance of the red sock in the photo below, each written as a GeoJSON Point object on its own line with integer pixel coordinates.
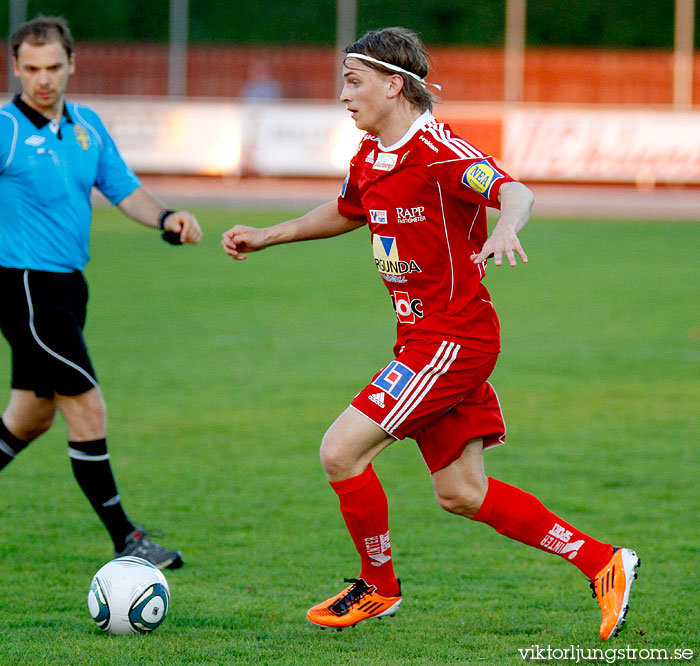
{"type": "Point", "coordinates": [366, 513]}
{"type": "Point", "coordinates": [521, 516]}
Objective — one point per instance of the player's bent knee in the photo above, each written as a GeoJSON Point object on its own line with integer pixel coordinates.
{"type": "Point", "coordinates": [332, 459]}
{"type": "Point", "coordinates": [335, 458]}
{"type": "Point", "coordinates": [29, 432]}
{"type": "Point", "coordinates": [463, 502]}
{"type": "Point", "coordinates": [42, 425]}
{"type": "Point", "coordinates": [27, 427]}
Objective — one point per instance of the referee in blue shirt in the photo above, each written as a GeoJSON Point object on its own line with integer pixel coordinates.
{"type": "Point", "coordinates": [51, 155]}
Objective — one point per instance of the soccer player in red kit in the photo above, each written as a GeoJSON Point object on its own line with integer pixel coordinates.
{"type": "Point", "coordinates": [423, 191]}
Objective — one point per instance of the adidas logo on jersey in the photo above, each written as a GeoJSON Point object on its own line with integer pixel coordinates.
{"type": "Point", "coordinates": [377, 399]}
{"type": "Point", "coordinates": [370, 158]}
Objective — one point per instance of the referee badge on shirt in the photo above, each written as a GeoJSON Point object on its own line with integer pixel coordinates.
{"type": "Point", "coordinates": [480, 177]}
{"type": "Point", "coordinates": [81, 136]}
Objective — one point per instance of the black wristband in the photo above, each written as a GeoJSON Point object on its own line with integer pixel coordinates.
{"type": "Point", "coordinates": [171, 237]}
{"type": "Point", "coordinates": [161, 217]}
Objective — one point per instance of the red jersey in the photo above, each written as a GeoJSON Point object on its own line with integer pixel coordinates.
{"type": "Point", "coordinates": [424, 200]}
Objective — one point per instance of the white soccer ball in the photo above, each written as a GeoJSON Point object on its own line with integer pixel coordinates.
{"type": "Point", "coordinates": [128, 595]}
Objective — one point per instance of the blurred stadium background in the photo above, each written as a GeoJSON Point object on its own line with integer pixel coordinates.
{"type": "Point", "coordinates": [231, 95]}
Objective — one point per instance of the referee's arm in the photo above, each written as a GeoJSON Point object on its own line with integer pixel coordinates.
{"type": "Point", "coordinates": [143, 207]}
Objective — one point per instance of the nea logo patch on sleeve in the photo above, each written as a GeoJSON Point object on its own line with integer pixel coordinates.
{"type": "Point", "coordinates": [480, 177]}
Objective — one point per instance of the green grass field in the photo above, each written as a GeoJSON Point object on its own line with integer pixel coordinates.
{"type": "Point", "coordinates": [220, 379]}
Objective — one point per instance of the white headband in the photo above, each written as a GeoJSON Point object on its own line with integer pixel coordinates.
{"type": "Point", "coordinates": [393, 68]}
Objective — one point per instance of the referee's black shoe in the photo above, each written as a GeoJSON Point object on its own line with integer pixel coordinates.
{"type": "Point", "coordinates": [139, 545]}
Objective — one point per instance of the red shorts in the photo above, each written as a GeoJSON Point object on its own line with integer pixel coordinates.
{"type": "Point", "coordinates": [437, 394]}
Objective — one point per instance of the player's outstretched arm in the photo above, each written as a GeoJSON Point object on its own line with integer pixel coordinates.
{"type": "Point", "coordinates": [143, 207]}
{"type": "Point", "coordinates": [516, 202]}
{"type": "Point", "coordinates": [322, 222]}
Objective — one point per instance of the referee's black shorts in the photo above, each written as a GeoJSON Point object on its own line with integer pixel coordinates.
{"type": "Point", "coordinates": [42, 316]}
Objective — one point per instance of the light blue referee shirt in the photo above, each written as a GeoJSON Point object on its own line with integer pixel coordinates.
{"type": "Point", "coordinates": [47, 171]}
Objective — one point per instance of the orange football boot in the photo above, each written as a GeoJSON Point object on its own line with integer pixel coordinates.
{"type": "Point", "coordinates": [611, 587]}
{"type": "Point", "coordinates": [358, 602]}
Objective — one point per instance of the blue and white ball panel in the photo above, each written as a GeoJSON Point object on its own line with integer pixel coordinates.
{"type": "Point", "coordinates": [150, 609]}
{"type": "Point", "coordinates": [97, 604]}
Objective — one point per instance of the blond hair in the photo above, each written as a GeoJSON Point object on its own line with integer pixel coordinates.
{"type": "Point", "coordinates": [403, 48]}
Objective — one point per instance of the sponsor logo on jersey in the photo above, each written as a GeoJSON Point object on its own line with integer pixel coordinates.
{"type": "Point", "coordinates": [480, 177]}
{"type": "Point", "coordinates": [558, 540]}
{"type": "Point", "coordinates": [387, 260]}
{"type": "Point", "coordinates": [429, 143]}
{"type": "Point", "coordinates": [370, 158]}
{"type": "Point", "coordinates": [378, 217]}
{"type": "Point", "coordinates": [377, 399]}
{"type": "Point", "coordinates": [410, 215]}
{"type": "Point", "coordinates": [404, 156]}
{"type": "Point", "coordinates": [407, 308]}
{"type": "Point", "coordinates": [345, 185]}
{"type": "Point", "coordinates": [81, 136]}
{"type": "Point", "coordinates": [35, 140]}
{"type": "Point", "coordinates": [394, 378]}
{"type": "Point", "coordinates": [385, 162]}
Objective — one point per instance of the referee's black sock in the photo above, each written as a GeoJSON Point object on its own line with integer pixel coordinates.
{"type": "Point", "coordinates": [10, 446]}
{"type": "Point", "coordinates": [90, 461]}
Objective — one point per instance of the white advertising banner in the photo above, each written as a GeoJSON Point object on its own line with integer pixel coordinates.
{"type": "Point", "coordinates": [292, 139]}
{"type": "Point", "coordinates": [319, 138]}
{"type": "Point", "coordinates": [231, 138]}
{"type": "Point", "coordinates": [173, 137]}
{"type": "Point", "coordinates": [629, 146]}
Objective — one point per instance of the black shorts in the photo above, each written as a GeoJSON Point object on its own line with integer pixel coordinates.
{"type": "Point", "coordinates": [42, 316]}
